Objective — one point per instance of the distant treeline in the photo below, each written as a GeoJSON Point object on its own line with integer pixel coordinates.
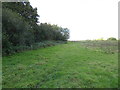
{"type": "Point", "coordinates": [20, 28]}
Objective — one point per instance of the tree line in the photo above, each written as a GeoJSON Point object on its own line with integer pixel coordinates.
{"type": "Point", "coordinates": [20, 28]}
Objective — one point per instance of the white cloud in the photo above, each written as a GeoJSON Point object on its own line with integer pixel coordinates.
{"type": "Point", "coordinates": [86, 19]}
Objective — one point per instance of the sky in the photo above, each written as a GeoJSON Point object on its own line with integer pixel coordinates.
{"type": "Point", "coordinates": [86, 19]}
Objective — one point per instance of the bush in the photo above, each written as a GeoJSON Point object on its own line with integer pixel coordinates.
{"type": "Point", "coordinates": [15, 49]}
{"type": "Point", "coordinates": [111, 38]}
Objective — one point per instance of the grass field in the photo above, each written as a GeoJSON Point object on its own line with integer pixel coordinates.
{"type": "Point", "coordinates": [72, 65]}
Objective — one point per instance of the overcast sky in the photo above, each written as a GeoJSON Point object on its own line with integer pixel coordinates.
{"type": "Point", "coordinates": [86, 19]}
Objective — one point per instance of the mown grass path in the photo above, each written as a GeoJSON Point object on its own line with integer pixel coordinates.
{"type": "Point", "coordinates": [62, 66]}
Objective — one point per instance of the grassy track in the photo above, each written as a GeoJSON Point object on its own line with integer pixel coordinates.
{"type": "Point", "coordinates": [63, 66]}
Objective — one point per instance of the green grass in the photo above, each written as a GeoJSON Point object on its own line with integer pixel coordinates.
{"type": "Point", "coordinates": [63, 66]}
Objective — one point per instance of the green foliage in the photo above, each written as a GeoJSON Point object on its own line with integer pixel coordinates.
{"type": "Point", "coordinates": [111, 38]}
{"type": "Point", "coordinates": [21, 31]}
{"type": "Point", "coordinates": [16, 31]}
{"type": "Point", "coordinates": [24, 9]}
{"type": "Point", "coordinates": [51, 32]}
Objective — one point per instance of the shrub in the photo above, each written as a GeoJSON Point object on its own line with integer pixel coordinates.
{"type": "Point", "coordinates": [111, 38]}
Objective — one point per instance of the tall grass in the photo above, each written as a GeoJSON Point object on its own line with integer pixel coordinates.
{"type": "Point", "coordinates": [107, 46]}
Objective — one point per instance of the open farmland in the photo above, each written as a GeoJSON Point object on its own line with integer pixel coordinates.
{"type": "Point", "coordinates": [85, 64]}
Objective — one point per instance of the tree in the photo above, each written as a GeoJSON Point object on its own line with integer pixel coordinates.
{"type": "Point", "coordinates": [20, 28]}
{"type": "Point", "coordinates": [111, 38]}
{"type": "Point", "coordinates": [53, 32]}
{"type": "Point", "coordinates": [24, 9]}
{"type": "Point", "coordinates": [16, 31]}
